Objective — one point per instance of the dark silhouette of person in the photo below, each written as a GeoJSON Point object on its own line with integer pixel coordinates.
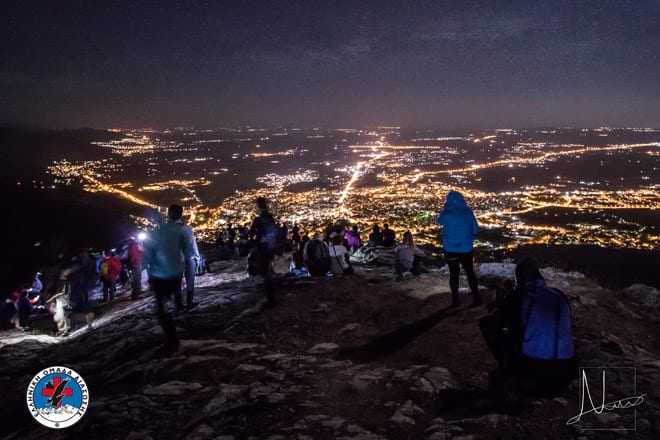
{"type": "Point", "coordinates": [265, 235]}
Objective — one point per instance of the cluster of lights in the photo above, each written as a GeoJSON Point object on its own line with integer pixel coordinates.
{"type": "Point", "coordinates": [409, 190]}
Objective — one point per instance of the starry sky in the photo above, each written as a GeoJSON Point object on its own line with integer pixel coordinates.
{"type": "Point", "coordinates": [458, 64]}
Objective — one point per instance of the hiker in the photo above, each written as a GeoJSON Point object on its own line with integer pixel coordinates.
{"type": "Point", "coordinates": [35, 292]}
{"type": "Point", "coordinates": [408, 257]}
{"type": "Point", "coordinates": [135, 254]}
{"type": "Point", "coordinates": [389, 236]}
{"type": "Point", "coordinates": [458, 229]}
{"type": "Point", "coordinates": [530, 334]}
{"type": "Point", "coordinates": [243, 248]}
{"type": "Point", "coordinates": [295, 237]}
{"type": "Point", "coordinates": [353, 240]}
{"type": "Point", "coordinates": [231, 236]}
{"type": "Point", "coordinates": [317, 256]}
{"type": "Point", "coordinates": [376, 237]}
{"type": "Point", "coordinates": [23, 308]}
{"type": "Point", "coordinates": [61, 303]}
{"type": "Point", "coordinates": [110, 270]}
{"type": "Point", "coordinates": [191, 262]}
{"type": "Point", "coordinates": [166, 251]}
{"type": "Point", "coordinates": [265, 235]}
{"type": "Point", "coordinates": [285, 245]}
{"type": "Point", "coordinates": [339, 262]}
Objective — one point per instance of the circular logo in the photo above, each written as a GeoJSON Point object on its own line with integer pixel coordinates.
{"type": "Point", "coordinates": [57, 397]}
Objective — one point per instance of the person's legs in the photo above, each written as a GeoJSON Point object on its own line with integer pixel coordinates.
{"type": "Point", "coordinates": [454, 270]}
{"type": "Point", "coordinates": [136, 282]}
{"type": "Point", "coordinates": [178, 298]}
{"type": "Point", "coordinates": [113, 289]}
{"type": "Point", "coordinates": [265, 261]}
{"type": "Point", "coordinates": [84, 296]}
{"type": "Point", "coordinates": [106, 290]}
{"type": "Point", "coordinates": [163, 290]}
{"type": "Point", "coordinates": [24, 309]}
{"type": "Point", "coordinates": [468, 265]}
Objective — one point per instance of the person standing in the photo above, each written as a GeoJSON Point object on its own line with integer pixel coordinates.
{"type": "Point", "coordinates": [459, 227]}
{"type": "Point", "coordinates": [191, 263]}
{"type": "Point", "coordinates": [265, 235]}
{"type": "Point", "coordinates": [135, 253]}
{"type": "Point", "coordinates": [168, 247]}
{"type": "Point", "coordinates": [110, 272]}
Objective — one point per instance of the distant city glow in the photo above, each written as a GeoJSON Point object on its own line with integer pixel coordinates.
{"type": "Point", "coordinates": [373, 180]}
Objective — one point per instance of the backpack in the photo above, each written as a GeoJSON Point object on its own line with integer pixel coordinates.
{"type": "Point", "coordinates": [547, 321]}
{"type": "Point", "coordinates": [104, 269]}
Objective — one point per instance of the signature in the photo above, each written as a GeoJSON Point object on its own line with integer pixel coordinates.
{"type": "Point", "coordinates": [627, 402]}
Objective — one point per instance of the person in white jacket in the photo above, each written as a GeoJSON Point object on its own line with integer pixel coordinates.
{"type": "Point", "coordinates": [166, 251]}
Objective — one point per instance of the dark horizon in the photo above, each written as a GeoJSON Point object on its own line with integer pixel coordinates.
{"type": "Point", "coordinates": [477, 64]}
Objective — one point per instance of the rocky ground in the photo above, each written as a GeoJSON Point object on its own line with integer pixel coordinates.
{"type": "Point", "coordinates": [355, 357]}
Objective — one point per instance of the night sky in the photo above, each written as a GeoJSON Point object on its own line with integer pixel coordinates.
{"type": "Point", "coordinates": [328, 63]}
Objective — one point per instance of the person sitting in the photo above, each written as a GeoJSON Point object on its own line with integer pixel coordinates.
{"type": "Point", "coordinates": [530, 334]}
{"type": "Point", "coordinates": [339, 263]}
{"type": "Point", "coordinates": [408, 257]}
{"type": "Point", "coordinates": [376, 237]}
{"type": "Point", "coordinates": [317, 256]}
{"type": "Point", "coordinates": [389, 236]}
{"type": "Point", "coordinates": [353, 240]}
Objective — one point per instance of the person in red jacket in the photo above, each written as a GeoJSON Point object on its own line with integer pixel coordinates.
{"type": "Point", "coordinates": [135, 252]}
{"type": "Point", "coordinates": [110, 271]}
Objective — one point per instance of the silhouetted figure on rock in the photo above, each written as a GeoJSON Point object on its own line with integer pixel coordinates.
{"type": "Point", "coordinates": [265, 235]}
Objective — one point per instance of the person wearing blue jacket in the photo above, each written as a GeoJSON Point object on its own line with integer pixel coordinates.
{"type": "Point", "coordinates": [458, 229]}
{"type": "Point", "coordinates": [166, 251]}
{"type": "Point", "coordinates": [530, 334]}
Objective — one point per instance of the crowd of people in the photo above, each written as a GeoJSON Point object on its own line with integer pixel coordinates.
{"type": "Point", "coordinates": [528, 331]}
{"type": "Point", "coordinates": [68, 285]}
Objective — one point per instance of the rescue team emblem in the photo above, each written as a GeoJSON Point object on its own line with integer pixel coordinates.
{"type": "Point", "coordinates": [57, 397]}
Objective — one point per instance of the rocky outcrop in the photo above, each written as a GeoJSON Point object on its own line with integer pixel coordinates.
{"type": "Point", "coordinates": [310, 369]}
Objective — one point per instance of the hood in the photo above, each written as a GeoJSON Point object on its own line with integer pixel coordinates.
{"type": "Point", "coordinates": [455, 202]}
